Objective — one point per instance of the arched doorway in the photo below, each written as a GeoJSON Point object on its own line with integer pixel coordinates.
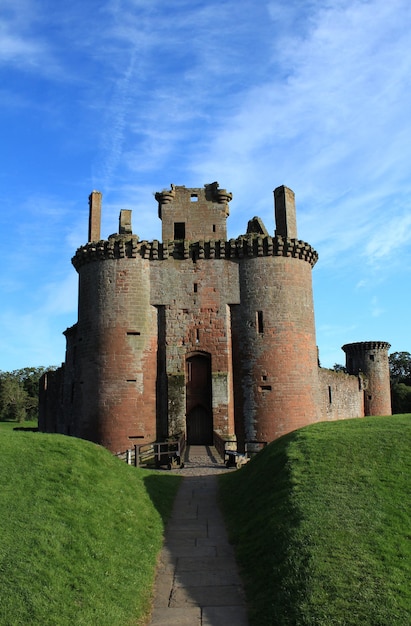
{"type": "Point", "coordinates": [198, 400]}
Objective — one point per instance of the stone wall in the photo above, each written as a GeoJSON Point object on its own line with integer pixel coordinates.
{"type": "Point", "coordinates": [341, 395]}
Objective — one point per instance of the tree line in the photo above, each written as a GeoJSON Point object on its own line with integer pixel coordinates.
{"type": "Point", "coordinates": [19, 393]}
{"type": "Point", "coordinates": [400, 374]}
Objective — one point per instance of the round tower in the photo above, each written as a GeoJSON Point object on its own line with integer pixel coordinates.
{"type": "Point", "coordinates": [113, 352]}
{"type": "Point", "coordinates": [275, 330]}
{"type": "Point", "coordinates": [371, 358]}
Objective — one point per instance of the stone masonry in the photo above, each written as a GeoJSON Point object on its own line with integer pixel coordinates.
{"type": "Point", "coordinates": [198, 334]}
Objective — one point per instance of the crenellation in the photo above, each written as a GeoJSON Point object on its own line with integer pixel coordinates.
{"type": "Point", "coordinates": [243, 246]}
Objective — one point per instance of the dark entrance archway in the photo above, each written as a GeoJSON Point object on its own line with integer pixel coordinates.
{"type": "Point", "coordinates": [198, 400]}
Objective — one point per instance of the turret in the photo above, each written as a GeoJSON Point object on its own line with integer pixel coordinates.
{"type": "Point", "coordinates": [371, 358]}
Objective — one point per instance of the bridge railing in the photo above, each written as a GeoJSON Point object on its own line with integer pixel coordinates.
{"type": "Point", "coordinates": [222, 444]}
{"type": "Point", "coordinates": [170, 452]}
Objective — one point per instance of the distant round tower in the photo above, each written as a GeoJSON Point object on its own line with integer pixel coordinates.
{"type": "Point", "coordinates": [276, 358]}
{"type": "Point", "coordinates": [112, 348]}
{"type": "Point", "coordinates": [371, 358]}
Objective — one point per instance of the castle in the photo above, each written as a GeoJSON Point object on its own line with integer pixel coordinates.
{"type": "Point", "coordinates": [200, 335]}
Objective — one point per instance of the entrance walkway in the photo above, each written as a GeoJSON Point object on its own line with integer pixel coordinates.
{"type": "Point", "coordinates": [197, 580]}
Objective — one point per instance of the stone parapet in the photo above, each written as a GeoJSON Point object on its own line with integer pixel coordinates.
{"type": "Point", "coordinates": [117, 247]}
{"type": "Point", "coordinates": [363, 346]}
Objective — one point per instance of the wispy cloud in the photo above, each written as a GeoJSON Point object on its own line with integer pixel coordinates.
{"type": "Point", "coordinates": [128, 96]}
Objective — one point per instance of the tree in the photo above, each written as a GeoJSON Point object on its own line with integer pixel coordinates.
{"type": "Point", "coordinates": [13, 398]}
{"type": "Point", "coordinates": [400, 375]}
{"type": "Point", "coordinates": [400, 367]}
{"type": "Point", "coordinates": [401, 398]}
{"type": "Point", "coordinates": [19, 392]}
{"type": "Point", "coordinates": [339, 368]}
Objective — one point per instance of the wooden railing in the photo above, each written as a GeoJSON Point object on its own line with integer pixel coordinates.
{"type": "Point", "coordinates": [168, 453]}
{"type": "Point", "coordinates": [222, 444]}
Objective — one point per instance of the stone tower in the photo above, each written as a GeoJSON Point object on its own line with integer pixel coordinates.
{"type": "Point", "coordinates": [371, 359]}
{"type": "Point", "coordinates": [273, 329]}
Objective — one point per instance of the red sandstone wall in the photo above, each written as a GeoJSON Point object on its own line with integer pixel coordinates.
{"type": "Point", "coordinates": [115, 391]}
{"type": "Point", "coordinates": [204, 218]}
{"type": "Point", "coordinates": [277, 373]}
{"type": "Point", "coordinates": [195, 298]}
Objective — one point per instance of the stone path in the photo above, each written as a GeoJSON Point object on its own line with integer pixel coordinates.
{"type": "Point", "coordinates": [197, 580]}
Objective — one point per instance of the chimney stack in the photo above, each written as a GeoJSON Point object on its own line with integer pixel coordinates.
{"type": "Point", "coordinates": [285, 216]}
{"type": "Point", "coordinates": [94, 223]}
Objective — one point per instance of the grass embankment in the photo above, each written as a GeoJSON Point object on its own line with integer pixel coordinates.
{"type": "Point", "coordinates": [80, 532]}
{"type": "Point", "coordinates": [322, 525]}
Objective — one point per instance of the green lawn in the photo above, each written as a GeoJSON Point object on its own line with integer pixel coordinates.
{"type": "Point", "coordinates": [322, 525]}
{"type": "Point", "coordinates": [320, 519]}
{"type": "Point", "coordinates": [80, 532]}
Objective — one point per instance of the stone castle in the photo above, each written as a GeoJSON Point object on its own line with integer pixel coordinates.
{"type": "Point", "coordinates": [201, 335]}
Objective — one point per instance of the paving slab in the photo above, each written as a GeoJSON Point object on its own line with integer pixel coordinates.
{"type": "Point", "coordinates": [198, 583]}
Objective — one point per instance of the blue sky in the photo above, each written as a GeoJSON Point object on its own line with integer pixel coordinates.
{"type": "Point", "coordinates": [129, 96]}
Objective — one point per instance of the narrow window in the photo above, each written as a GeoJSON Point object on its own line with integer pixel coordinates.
{"type": "Point", "coordinates": [195, 287]}
{"type": "Point", "coordinates": [330, 395]}
{"type": "Point", "coordinates": [131, 380]}
{"type": "Point", "coordinates": [179, 230]}
{"type": "Point", "coordinates": [371, 357]}
{"type": "Point", "coordinates": [214, 228]}
{"type": "Point", "coordinates": [197, 336]}
{"type": "Point", "coordinates": [260, 324]}
{"type": "Point", "coordinates": [133, 333]}
{"type": "Point", "coordinates": [265, 388]}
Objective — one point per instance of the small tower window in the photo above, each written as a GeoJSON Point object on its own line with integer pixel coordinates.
{"type": "Point", "coordinates": [194, 197]}
{"type": "Point", "coordinates": [330, 395]}
{"type": "Point", "coordinates": [260, 323]}
{"type": "Point", "coordinates": [179, 230]}
{"type": "Point", "coordinates": [214, 228]}
{"type": "Point", "coordinates": [371, 357]}
{"type": "Point", "coordinates": [195, 287]}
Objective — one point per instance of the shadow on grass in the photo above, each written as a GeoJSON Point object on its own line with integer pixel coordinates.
{"type": "Point", "coordinates": [27, 429]}
{"type": "Point", "coordinates": [162, 489]}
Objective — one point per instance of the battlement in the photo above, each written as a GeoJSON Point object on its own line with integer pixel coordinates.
{"type": "Point", "coordinates": [250, 245]}
{"type": "Point", "coordinates": [360, 347]}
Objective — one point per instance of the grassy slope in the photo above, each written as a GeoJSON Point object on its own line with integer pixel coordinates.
{"type": "Point", "coordinates": [80, 532]}
{"type": "Point", "coordinates": [321, 522]}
